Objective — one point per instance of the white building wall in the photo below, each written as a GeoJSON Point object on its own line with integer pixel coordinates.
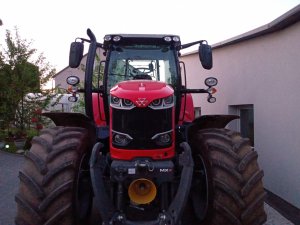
{"type": "Point", "coordinates": [265, 72]}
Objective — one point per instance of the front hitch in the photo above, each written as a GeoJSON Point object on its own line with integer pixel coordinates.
{"type": "Point", "coordinates": [111, 216]}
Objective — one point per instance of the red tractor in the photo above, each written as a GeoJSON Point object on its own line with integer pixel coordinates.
{"type": "Point", "coordinates": [138, 155]}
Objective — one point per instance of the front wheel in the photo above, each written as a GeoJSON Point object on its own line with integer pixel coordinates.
{"type": "Point", "coordinates": [54, 186]}
{"type": "Point", "coordinates": [227, 184]}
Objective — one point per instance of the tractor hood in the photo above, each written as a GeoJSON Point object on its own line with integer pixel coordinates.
{"type": "Point", "coordinates": [144, 91]}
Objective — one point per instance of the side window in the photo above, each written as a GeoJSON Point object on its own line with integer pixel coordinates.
{"type": "Point", "coordinates": [183, 75]}
{"type": "Point", "coordinates": [117, 71]}
{"type": "Point", "coordinates": [98, 72]}
{"type": "Point", "coordinates": [118, 68]}
{"type": "Point", "coordinates": [167, 72]}
{"type": "Point", "coordinates": [197, 111]}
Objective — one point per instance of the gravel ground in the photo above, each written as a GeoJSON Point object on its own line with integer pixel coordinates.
{"type": "Point", "coordinates": [10, 165]}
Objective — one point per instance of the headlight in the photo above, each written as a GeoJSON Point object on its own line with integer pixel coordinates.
{"type": "Point", "coordinates": [72, 99]}
{"type": "Point", "coordinates": [115, 100]}
{"type": "Point", "coordinates": [163, 139]}
{"type": "Point", "coordinates": [211, 99]}
{"type": "Point", "coordinates": [73, 80]}
{"type": "Point", "coordinates": [156, 103]}
{"type": "Point", "coordinates": [162, 103]}
{"type": "Point", "coordinates": [119, 103]}
{"type": "Point", "coordinates": [127, 103]}
{"type": "Point", "coordinates": [168, 100]}
{"type": "Point", "coordinates": [120, 139]}
{"type": "Point", "coordinates": [211, 81]}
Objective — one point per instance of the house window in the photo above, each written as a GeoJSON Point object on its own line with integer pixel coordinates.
{"type": "Point", "coordinates": [197, 111]}
{"type": "Point", "coordinates": [245, 125]}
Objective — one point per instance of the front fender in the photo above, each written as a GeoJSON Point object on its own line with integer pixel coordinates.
{"type": "Point", "coordinates": [72, 120]}
{"type": "Point", "coordinates": [214, 121]}
{"type": "Point", "coordinates": [208, 121]}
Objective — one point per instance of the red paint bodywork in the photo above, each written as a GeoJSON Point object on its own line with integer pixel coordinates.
{"type": "Point", "coordinates": [187, 113]}
{"type": "Point", "coordinates": [135, 90]}
{"type": "Point", "coordinates": [98, 109]}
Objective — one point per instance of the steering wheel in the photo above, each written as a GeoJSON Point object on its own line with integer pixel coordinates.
{"type": "Point", "coordinates": [143, 70]}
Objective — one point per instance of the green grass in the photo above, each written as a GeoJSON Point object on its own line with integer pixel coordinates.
{"type": "Point", "coordinates": [12, 148]}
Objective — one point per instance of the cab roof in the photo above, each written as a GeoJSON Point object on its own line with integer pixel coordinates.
{"type": "Point", "coordinates": [167, 39]}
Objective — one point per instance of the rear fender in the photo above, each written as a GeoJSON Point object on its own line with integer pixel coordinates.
{"type": "Point", "coordinates": [73, 120]}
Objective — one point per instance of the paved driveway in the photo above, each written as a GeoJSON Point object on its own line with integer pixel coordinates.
{"type": "Point", "coordinates": [10, 165]}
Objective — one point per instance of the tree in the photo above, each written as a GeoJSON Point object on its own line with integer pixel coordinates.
{"type": "Point", "coordinates": [22, 71]}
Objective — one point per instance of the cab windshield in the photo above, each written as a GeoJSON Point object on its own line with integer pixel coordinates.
{"type": "Point", "coordinates": [150, 62]}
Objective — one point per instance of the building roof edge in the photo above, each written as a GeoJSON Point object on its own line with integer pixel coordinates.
{"type": "Point", "coordinates": [287, 19]}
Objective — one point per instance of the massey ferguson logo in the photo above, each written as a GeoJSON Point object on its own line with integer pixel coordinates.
{"type": "Point", "coordinates": [141, 102]}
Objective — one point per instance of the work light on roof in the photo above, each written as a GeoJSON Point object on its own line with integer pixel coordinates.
{"type": "Point", "coordinates": [168, 39]}
{"type": "Point", "coordinates": [176, 39]}
{"type": "Point", "coordinates": [107, 38]}
{"type": "Point", "coordinates": [116, 38]}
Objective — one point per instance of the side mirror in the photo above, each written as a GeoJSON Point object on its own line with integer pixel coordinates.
{"type": "Point", "coordinates": [205, 55]}
{"type": "Point", "coordinates": [76, 54]}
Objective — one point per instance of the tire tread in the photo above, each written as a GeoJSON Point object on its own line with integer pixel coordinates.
{"type": "Point", "coordinates": [54, 154]}
{"type": "Point", "coordinates": [235, 175]}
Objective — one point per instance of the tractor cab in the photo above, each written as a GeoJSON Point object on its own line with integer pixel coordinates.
{"type": "Point", "coordinates": [130, 57]}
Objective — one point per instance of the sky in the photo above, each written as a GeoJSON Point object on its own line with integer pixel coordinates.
{"type": "Point", "coordinates": [52, 25]}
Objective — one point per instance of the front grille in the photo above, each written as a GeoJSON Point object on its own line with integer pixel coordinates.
{"type": "Point", "coordinates": [142, 124]}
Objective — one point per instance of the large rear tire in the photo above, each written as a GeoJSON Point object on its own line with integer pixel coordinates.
{"type": "Point", "coordinates": [227, 183]}
{"type": "Point", "coordinates": [49, 191]}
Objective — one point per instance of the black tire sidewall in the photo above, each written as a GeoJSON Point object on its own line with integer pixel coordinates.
{"type": "Point", "coordinates": [201, 158]}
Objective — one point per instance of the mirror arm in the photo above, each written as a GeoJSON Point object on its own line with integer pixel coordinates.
{"type": "Point", "coordinates": [191, 44]}
{"type": "Point", "coordinates": [89, 41]}
{"type": "Point", "coordinates": [94, 90]}
{"type": "Point", "coordinates": [184, 91]}
{"type": "Point", "coordinates": [83, 40]}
